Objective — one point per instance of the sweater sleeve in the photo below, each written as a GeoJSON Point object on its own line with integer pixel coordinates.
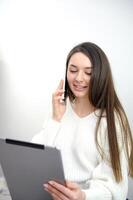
{"type": "Point", "coordinates": [102, 185]}
{"type": "Point", "coordinates": [49, 130]}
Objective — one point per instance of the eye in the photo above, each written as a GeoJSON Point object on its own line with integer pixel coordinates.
{"type": "Point", "coordinates": [73, 71]}
{"type": "Point", "coordinates": [89, 74]}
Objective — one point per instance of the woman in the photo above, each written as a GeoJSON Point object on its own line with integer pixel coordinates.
{"type": "Point", "coordinates": [91, 129]}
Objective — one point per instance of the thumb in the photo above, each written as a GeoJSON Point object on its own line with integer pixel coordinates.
{"type": "Point", "coordinates": [72, 185]}
{"type": "Point", "coordinates": [60, 86]}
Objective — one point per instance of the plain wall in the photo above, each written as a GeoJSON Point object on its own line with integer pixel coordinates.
{"type": "Point", "coordinates": [35, 38]}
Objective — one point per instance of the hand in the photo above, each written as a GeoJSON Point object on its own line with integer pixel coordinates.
{"type": "Point", "coordinates": [72, 191]}
{"type": "Point", "coordinates": [59, 106]}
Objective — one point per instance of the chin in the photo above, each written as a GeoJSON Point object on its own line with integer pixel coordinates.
{"type": "Point", "coordinates": [80, 95]}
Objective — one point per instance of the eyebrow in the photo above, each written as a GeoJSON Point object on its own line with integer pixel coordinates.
{"type": "Point", "coordinates": [71, 65]}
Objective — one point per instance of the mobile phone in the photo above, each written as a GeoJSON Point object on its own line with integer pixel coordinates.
{"type": "Point", "coordinates": [65, 90]}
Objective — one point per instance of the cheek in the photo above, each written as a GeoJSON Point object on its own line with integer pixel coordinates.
{"type": "Point", "coordinates": [87, 80]}
{"type": "Point", "coordinates": [70, 78]}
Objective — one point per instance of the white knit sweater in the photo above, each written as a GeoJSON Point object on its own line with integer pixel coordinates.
{"type": "Point", "coordinates": [75, 137]}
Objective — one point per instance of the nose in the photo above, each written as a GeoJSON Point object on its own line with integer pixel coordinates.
{"type": "Point", "coordinates": [79, 77]}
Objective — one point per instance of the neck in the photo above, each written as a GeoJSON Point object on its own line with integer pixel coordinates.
{"type": "Point", "coordinates": [82, 106]}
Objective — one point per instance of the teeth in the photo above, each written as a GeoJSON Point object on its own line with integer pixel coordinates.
{"type": "Point", "coordinates": [79, 87]}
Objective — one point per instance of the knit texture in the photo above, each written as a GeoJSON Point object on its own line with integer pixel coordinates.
{"type": "Point", "coordinates": [75, 137]}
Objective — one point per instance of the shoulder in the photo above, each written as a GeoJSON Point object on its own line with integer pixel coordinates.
{"type": "Point", "coordinates": [38, 138]}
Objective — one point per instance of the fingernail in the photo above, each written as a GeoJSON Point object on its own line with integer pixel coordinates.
{"type": "Point", "coordinates": [46, 185]}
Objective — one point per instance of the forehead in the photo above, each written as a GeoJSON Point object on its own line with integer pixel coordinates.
{"type": "Point", "coordinates": [80, 60]}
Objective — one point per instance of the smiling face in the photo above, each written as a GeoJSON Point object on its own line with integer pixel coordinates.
{"type": "Point", "coordinates": [79, 74]}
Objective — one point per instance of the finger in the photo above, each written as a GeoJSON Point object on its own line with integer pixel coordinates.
{"type": "Point", "coordinates": [61, 188]}
{"type": "Point", "coordinates": [72, 185]}
{"type": "Point", "coordinates": [60, 86]}
{"type": "Point", "coordinates": [56, 192]}
{"type": "Point", "coordinates": [57, 100]}
{"type": "Point", "coordinates": [55, 197]}
{"type": "Point", "coordinates": [57, 97]}
{"type": "Point", "coordinates": [58, 92]}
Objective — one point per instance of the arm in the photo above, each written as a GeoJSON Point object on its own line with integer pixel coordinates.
{"type": "Point", "coordinates": [52, 119]}
{"type": "Point", "coordinates": [103, 186]}
{"type": "Point", "coordinates": [48, 132]}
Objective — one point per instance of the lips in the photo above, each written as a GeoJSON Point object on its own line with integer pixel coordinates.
{"type": "Point", "coordinates": [79, 87]}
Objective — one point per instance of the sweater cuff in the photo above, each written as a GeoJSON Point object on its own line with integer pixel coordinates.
{"type": "Point", "coordinates": [97, 194]}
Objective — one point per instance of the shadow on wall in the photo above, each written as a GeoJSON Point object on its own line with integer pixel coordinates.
{"type": "Point", "coordinates": [3, 102]}
{"type": "Point", "coordinates": [3, 99]}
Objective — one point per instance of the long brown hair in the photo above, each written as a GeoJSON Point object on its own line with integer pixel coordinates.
{"type": "Point", "coordinates": [102, 95]}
